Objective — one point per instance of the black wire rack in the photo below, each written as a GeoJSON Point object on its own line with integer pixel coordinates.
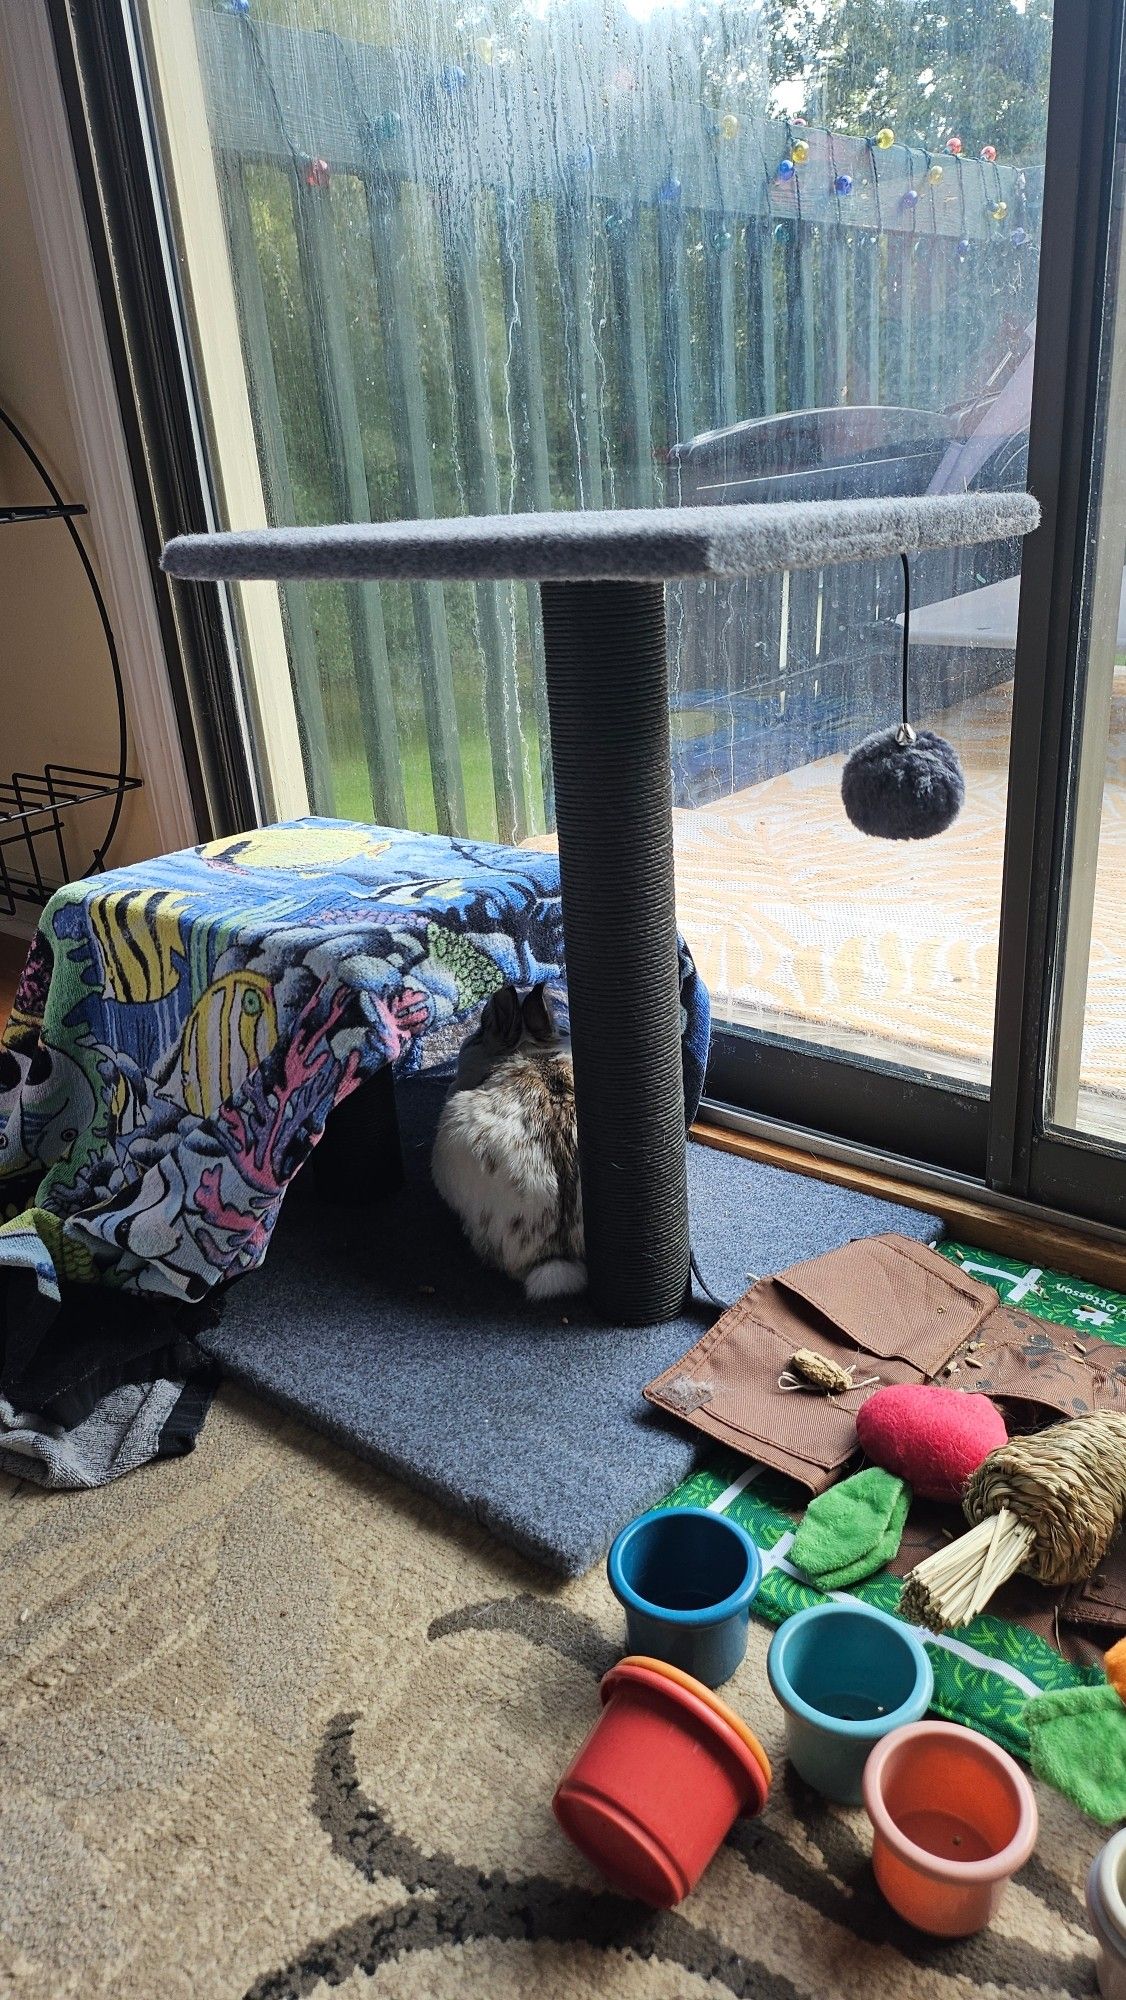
{"type": "Point", "coordinates": [33, 852]}
{"type": "Point", "coordinates": [32, 804]}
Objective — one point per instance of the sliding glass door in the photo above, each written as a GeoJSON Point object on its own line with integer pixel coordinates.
{"type": "Point", "coordinates": [1058, 1129]}
{"type": "Point", "coordinates": [421, 260]}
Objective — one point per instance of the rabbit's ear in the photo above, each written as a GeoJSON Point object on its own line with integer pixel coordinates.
{"type": "Point", "coordinates": [502, 1019]}
{"type": "Point", "coordinates": [537, 1015]}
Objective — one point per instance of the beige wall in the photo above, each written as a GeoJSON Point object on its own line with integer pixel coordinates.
{"type": "Point", "coordinates": [56, 690]}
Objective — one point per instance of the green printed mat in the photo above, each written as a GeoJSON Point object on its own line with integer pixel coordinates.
{"type": "Point", "coordinates": [1045, 1294]}
{"type": "Point", "coordinates": [985, 1673]}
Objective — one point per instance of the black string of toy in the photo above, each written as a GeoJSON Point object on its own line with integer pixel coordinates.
{"type": "Point", "coordinates": [903, 783]}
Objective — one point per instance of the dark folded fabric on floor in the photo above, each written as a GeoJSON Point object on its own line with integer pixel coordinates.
{"type": "Point", "coordinates": [99, 1383]}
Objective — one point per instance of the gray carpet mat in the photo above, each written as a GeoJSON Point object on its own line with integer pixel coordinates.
{"type": "Point", "coordinates": [383, 1330]}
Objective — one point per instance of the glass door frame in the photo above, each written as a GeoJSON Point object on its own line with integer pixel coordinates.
{"type": "Point", "coordinates": [1083, 182]}
{"type": "Point", "coordinates": [989, 1139]}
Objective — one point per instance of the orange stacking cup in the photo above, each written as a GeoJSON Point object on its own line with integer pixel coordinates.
{"type": "Point", "coordinates": [952, 1818]}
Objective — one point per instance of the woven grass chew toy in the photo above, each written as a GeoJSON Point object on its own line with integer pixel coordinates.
{"type": "Point", "coordinates": [1049, 1505]}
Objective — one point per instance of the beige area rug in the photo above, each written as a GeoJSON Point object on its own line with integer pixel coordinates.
{"type": "Point", "coordinates": [803, 926]}
{"type": "Point", "coordinates": [272, 1726]}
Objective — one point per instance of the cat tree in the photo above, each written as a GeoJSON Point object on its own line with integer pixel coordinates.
{"type": "Point", "coordinates": [602, 578]}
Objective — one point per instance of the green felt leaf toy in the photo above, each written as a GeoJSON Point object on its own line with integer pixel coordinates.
{"type": "Point", "coordinates": [853, 1530]}
{"type": "Point", "coordinates": [1078, 1739]}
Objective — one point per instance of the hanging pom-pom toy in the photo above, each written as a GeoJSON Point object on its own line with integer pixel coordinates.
{"type": "Point", "coordinates": [1049, 1505]}
{"type": "Point", "coordinates": [903, 783]}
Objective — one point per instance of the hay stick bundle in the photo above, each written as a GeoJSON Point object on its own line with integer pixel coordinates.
{"type": "Point", "coordinates": [1049, 1505]}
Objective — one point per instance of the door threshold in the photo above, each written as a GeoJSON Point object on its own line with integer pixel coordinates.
{"type": "Point", "coordinates": [970, 1211]}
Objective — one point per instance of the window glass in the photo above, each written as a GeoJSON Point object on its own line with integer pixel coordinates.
{"type": "Point", "coordinates": [446, 258]}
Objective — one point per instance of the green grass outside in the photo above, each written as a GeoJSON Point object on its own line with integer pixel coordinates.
{"type": "Point", "coordinates": [352, 798]}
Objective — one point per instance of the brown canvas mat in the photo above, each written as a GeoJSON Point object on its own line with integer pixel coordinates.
{"type": "Point", "coordinates": [888, 1308]}
{"type": "Point", "coordinates": [894, 1311]}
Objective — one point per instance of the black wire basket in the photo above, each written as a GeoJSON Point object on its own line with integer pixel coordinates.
{"type": "Point", "coordinates": [33, 853]}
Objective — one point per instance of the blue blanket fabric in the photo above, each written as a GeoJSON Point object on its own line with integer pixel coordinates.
{"type": "Point", "coordinates": [184, 1027]}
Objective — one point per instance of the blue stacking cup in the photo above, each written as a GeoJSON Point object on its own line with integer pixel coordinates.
{"type": "Point", "coordinates": [686, 1579]}
{"type": "Point", "coordinates": [846, 1674]}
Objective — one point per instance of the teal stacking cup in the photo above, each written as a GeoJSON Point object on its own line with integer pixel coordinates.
{"type": "Point", "coordinates": [845, 1674]}
{"type": "Point", "coordinates": [686, 1579]}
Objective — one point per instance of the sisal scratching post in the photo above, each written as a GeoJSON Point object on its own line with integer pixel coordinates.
{"type": "Point", "coordinates": [607, 690]}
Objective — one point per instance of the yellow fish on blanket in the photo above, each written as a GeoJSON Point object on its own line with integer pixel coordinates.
{"type": "Point", "coordinates": [139, 939]}
{"type": "Point", "coordinates": [296, 849]}
{"type": "Point", "coordinates": [229, 1031]}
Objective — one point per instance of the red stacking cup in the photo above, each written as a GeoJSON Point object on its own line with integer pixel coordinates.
{"type": "Point", "coordinates": [659, 1782]}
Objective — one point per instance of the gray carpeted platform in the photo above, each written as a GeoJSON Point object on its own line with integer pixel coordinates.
{"type": "Point", "coordinates": [619, 543]}
{"type": "Point", "coordinates": [384, 1330]}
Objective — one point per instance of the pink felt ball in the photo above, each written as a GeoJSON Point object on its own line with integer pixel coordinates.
{"type": "Point", "coordinates": [931, 1437]}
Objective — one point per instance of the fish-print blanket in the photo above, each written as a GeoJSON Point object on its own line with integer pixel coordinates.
{"type": "Point", "coordinates": [183, 1028]}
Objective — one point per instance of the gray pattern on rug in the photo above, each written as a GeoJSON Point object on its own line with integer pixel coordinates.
{"type": "Point", "coordinates": [271, 1725]}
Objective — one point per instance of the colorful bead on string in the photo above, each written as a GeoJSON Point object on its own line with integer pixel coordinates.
{"type": "Point", "coordinates": [989, 155]}
{"type": "Point", "coordinates": [954, 145]}
{"type": "Point", "coordinates": [786, 170]}
{"type": "Point", "coordinates": [843, 184]}
{"type": "Point", "coordinates": [799, 152]}
{"type": "Point", "coordinates": [729, 126]}
{"type": "Point", "coordinates": [885, 137]}
{"type": "Point", "coordinates": [318, 173]}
